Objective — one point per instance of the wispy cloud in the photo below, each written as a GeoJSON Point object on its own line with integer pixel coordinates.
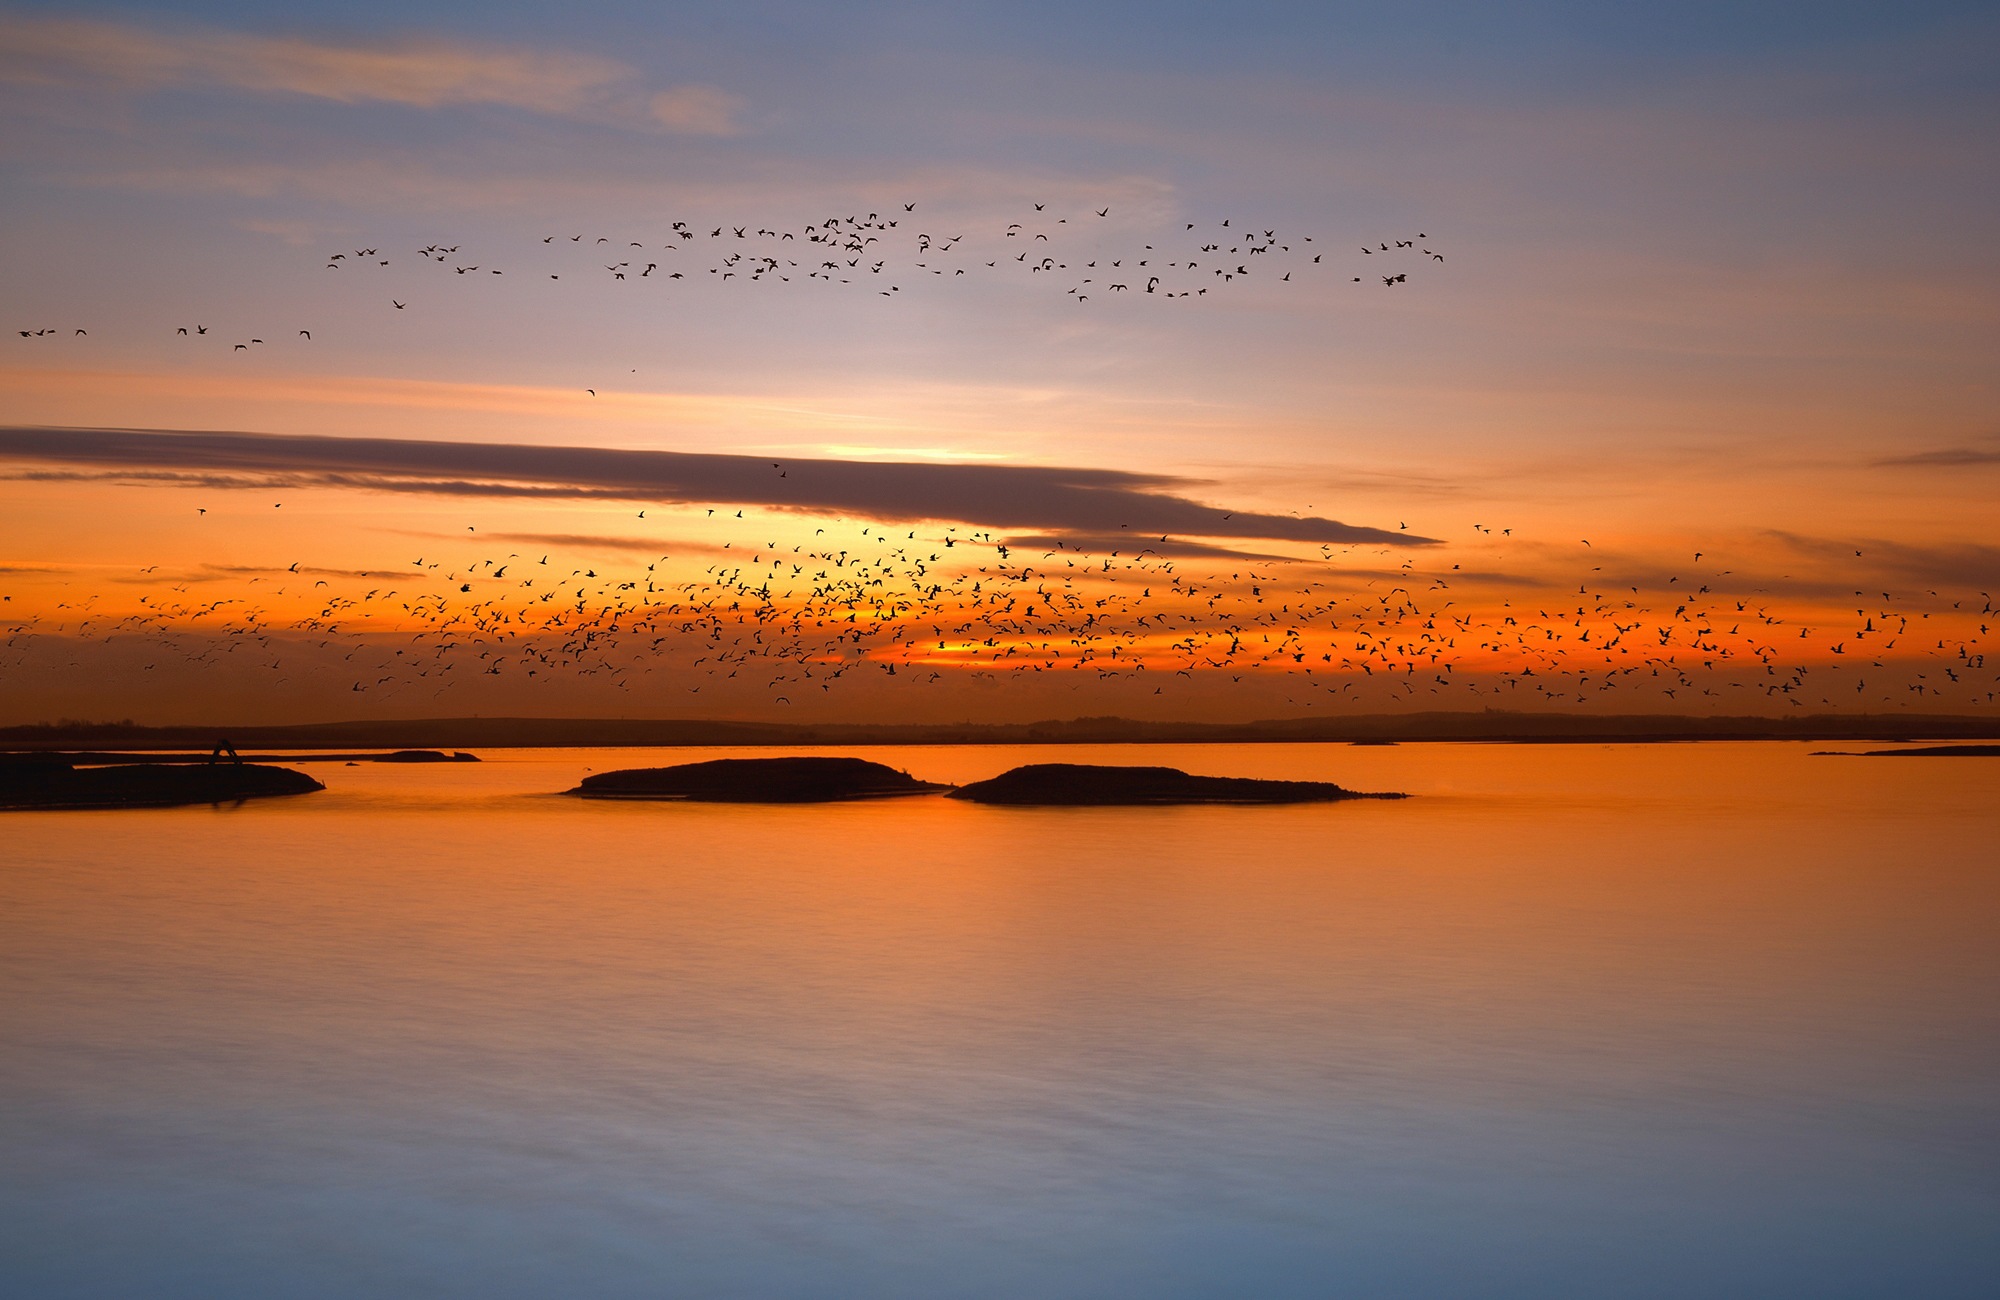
{"type": "Point", "coordinates": [298, 234]}
{"type": "Point", "coordinates": [697, 110]}
{"type": "Point", "coordinates": [417, 73]}
{"type": "Point", "coordinates": [1127, 544]}
{"type": "Point", "coordinates": [598, 542]}
{"type": "Point", "coordinates": [1961, 565]}
{"type": "Point", "coordinates": [303, 570]}
{"type": "Point", "coordinates": [1946, 457]}
{"type": "Point", "coordinates": [1093, 502]}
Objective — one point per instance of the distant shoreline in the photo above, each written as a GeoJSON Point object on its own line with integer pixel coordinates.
{"type": "Point", "coordinates": [580, 733]}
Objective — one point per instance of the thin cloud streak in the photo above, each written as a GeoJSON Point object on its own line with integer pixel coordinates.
{"type": "Point", "coordinates": [1098, 502]}
{"type": "Point", "coordinates": [303, 570]}
{"type": "Point", "coordinates": [412, 73]}
{"type": "Point", "coordinates": [1137, 544]}
{"type": "Point", "coordinates": [598, 542]}
{"type": "Point", "coordinates": [1947, 457]}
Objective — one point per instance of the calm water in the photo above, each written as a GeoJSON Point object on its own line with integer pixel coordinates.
{"type": "Point", "coordinates": [1608, 1020]}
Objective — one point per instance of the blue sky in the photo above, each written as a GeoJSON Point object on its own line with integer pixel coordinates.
{"type": "Point", "coordinates": [1690, 215]}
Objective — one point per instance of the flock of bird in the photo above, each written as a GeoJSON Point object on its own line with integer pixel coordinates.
{"type": "Point", "coordinates": [884, 253]}
{"type": "Point", "coordinates": [778, 620]}
{"type": "Point", "coordinates": [1083, 256]}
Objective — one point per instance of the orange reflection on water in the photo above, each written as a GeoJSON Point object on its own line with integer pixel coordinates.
{"type": "Point", "coordinates": [1609, 998]}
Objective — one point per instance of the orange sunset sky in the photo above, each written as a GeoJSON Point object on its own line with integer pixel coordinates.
{"type": "Point", "coordinates": [939, 362]}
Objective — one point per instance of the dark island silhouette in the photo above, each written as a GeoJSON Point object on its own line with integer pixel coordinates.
{"type": "Point", "coordinates": [1081, 785]}
{"type": "Point", "coordinates": [53, 781]}
{"type": "Point", "coordinates": [417, 756]}
{"type": "Point", "coordinates": [758, 780]}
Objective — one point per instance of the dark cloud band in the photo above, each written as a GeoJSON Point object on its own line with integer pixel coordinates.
{"type": "Point", "coordinates": [1060, 499]}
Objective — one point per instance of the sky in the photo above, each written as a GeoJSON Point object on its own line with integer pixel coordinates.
{"type": "Point", "coordinates": [1552, 356]}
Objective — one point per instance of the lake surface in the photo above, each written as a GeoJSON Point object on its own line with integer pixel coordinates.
{"type": "Point", "coordinates": [1671, 1020]}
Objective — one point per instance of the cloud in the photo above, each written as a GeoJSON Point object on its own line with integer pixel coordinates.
{"type": "Point", "coordinates": [417, 73]}
{"type": "Point", "coordinates": [298, 234]}
{"type": "Point", "coordinates": [1946, 456]}
{"type": "Point", "coordinates": [1877, 560]}
{"type": "Point", "coordinates": [1130, 544]}
{"type": "Point", "coordinates": [597, 542]}
{"type": "Point", "coordinates": [697, 110]}
{"type": "Point", "coordinates": [1097, 502]}
{"type": "Point", "coordinates": [302, 570]}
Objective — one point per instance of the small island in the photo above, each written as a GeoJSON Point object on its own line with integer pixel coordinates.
{"type": "Point", "coordinates": [422, 756]}
{"type": "Point", "coordinates": [757, 780]}
{"type": "Point", "coordinates": [1083, 785]}
{"type": "Point", "coordinates": [54, 781]}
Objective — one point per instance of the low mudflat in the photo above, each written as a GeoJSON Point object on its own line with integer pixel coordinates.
{"type": "Point", "coordinates": [1077, 784]}
{"type": "Point", "coordinates": [758, 780]}
{"type": "Point", "coordinates": [1924, 751]}
{"type": "Point", "coordinates": [109, 758]}
{"type": "Point", "coordinates": [50, 781]}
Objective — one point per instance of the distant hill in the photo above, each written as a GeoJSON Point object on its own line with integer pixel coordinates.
{"type": "Point", "coordinates": [502, 733]}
